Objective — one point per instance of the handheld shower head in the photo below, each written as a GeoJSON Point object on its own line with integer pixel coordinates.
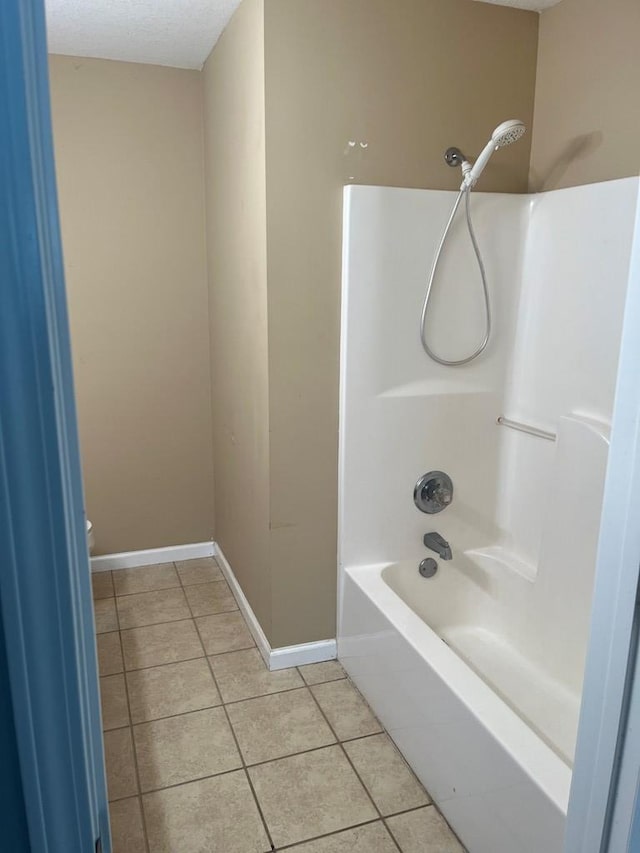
{"type": "Point", "coordinates": [506, 133]}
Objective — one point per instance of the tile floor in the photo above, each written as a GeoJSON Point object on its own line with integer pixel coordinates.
{"type": "Point", "coordinates": [209, 752]}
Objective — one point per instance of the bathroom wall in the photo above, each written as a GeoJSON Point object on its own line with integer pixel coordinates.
{"type": "Point", "coordinates": [288, 87]}
{"type": "Point", "coordinates": [587, 121]}
{"type": "Point", "coordinates": [128, 145]}
{"type": "Point", "coordinates": [234, 109]}
{"type": "Point", "coordinates": [406, 78]}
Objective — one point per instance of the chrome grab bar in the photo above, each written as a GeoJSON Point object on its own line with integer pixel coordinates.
{"type": "Point", "coordinates": [530, 430]}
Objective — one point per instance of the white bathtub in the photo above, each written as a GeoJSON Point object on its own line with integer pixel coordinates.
{"type": "Point", "coordinates": [490, 769]}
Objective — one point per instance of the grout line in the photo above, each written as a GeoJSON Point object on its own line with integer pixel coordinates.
{"type": "Point", "coordinates": [364, 737]}
{"type": "Point", "coordinates": [336, 832]}
{"type": "Point", "coordinates": [177, 619]}
{"type": "Point", "coordinates": [238, 769]}
{"type": "Point", "coordinates": [301, 686]}
{"type": "Point", "coordinates": [261, 764]}
{"type": "Point", "coordinates": [170, 622]}
{"type": "Point", "coordinates": [384, 818]}
{"type": "Point", "coordinates": [144, 591]}
{"type": "Point", "coordinates": [304, 841]}
{"type": "Point", "coordinates": [294, 754]}
{"type": "Point", "coordinates": [133, 743]}
{"type": "Point", "coordinates": [197, 583]}
{"type": "Point", "coordinates": [187, 586]}
{"type": "Point", "coordinates": [179, 585]}
{"type": "Point", "coordinates": [430, 805]}
{"type": "Point", "coordinates": [172, 662]}
{"type": "Point", "coordinates": [233, 734]}
{"type": "Point", "coordinates": [346, 755]}
{"type": "Point", "coordinates": [101, 597]}
{"type": "Point", "coordinates": [171, 716]}
{"type": "Point", "coordinates": [154, 624]}
{"type": "Point", "coordinates": [318, 683]}
{"type": "Point", "coordinates": [181, 714]}
{"type": "Point", "coordinates": [135, 754]}
{"type": "Point", "coordinates": [408, 811]}
{"type": "Point", "coordinates": [182, 589]}
{"type": "Point", "coordinates": [120, 729]}
{"type": "Point", "coordinates": [174, 563]}
{"type": "Point", "coordinates": [167, 663]}
{"type": "Point", "coordinates": [339, 742]}
{"type": "Point", "coordinates": [244, 649]}
{"type": "Point", "coordinates": [192, 619]}
{"type": "Point", "coordinates": [234, 651]}
{"type": "Point", "coordinates": [182, 660]}
{"type": "Point", "coordinates": [253, 763]}
{"type": "Point", "coordinates": [265, 695]}
{"type": "Point", "coordinates": [217, 613]}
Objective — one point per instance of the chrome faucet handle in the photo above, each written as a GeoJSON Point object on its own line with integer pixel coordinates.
{"type": "Point", "coordinates": [439, 495]}
{"type": "Point", "coordinates": [433, 492]}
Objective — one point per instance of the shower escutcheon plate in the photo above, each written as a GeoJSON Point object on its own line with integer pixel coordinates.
{"type": "Point", "coordinates": [433, 492]}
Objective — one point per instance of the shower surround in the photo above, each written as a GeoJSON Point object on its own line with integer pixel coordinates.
{"type": "Point", "coordinates": [477, 672]}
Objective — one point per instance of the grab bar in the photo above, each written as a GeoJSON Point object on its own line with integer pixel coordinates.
{"type": "Point", "coordinates": [530, 430]}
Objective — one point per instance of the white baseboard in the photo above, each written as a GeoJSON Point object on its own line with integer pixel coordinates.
{"type": "Point", "coordinates": [285, 656]}
{"type": "Point", "coordinates": [302, 654]}
{"type": "Point", "coordinates": [132, 559]}
{"type": "Point", "coordinates": [245, 608]}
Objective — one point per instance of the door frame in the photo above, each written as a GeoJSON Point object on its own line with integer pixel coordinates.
{"type": "Point", "coordinates": [45, 594]}
{"type": "Point", "coordinates": [45, 584]}
{"type": "Point", "coordinates": [603, 799]}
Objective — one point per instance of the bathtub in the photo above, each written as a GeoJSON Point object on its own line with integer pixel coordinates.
{"type": "Point", "coordinates": [440, 663]}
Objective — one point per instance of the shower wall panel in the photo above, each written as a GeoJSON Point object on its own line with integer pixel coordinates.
{"type": "Point", "coordinates": [407, 414]}
{"type": "Point", "coordinates": [557, 266]}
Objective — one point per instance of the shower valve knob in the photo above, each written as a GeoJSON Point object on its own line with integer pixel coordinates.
{"type": "Point", "coordinates": [433, 492]}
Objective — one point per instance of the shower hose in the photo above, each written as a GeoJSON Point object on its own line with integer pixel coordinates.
{"type": "Point", "coordinates": [466, 192]}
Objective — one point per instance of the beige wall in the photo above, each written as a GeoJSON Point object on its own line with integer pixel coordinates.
{"type": "Point", "coordinates": [234, 109]}
{"type": "Point", "coordinates": [128, 142]}
{"type": "Point", "coordinates": [410, 78]}
{"type": "Point", "coordinates": [288, 85]}
{"type": "Point", "coordinates": [587, 119]}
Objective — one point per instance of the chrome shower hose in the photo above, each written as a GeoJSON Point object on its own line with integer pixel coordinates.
{"type": "Point", "coordinates": [466, 191]}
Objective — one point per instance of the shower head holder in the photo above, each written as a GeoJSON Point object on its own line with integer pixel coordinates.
{"type": "Point", "coordinates": [454, 157]}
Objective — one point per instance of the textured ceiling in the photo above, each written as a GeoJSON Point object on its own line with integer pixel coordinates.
{"type": "Point", "coordinates": [162, 32]}
{"type": "Point", "coordinates": [180, 33]}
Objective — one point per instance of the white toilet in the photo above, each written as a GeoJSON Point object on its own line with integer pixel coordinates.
{"type": "Point", "coordinates": [90, 537]}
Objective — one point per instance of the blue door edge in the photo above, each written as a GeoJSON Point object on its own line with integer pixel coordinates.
{"type": "Point", "coordinates": [45, 587]}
